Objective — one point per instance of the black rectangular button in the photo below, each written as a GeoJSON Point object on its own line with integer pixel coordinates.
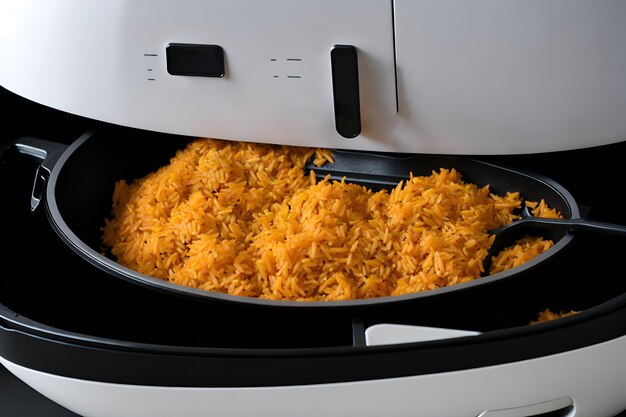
{"type": "Point", "coordinates": [195, 60]}
{"type": "Point", "coordinates": [345, 73]}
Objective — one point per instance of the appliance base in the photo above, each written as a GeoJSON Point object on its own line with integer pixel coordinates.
{"type": "Point", "coordinates": [593, 378]}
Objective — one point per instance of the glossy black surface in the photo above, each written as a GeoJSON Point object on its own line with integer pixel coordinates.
{"type": "Point", "coordinates": [195, 60]}
{"type": "Point", "coordinates": [347, 104]}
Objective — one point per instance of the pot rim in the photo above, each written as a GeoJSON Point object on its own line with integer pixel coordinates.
{"type": "Point", "coordinates": [108, 265]}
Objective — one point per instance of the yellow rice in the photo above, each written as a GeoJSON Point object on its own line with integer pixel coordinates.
{"type": "Point", "coordinates": [246, 219]}
{"type": "Point", "coordinates": [549, 315]}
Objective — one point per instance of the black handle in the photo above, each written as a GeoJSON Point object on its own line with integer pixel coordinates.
{"type": "Point", "coordinates": [48, 152]}
{"type": "Point", "coordinates": [574, 224]}
{"type": "Point", "coordinates": [345, 73]}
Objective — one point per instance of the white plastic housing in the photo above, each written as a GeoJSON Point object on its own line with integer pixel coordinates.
{"type": "Point", "coordinates": [436, 76]}
{"type": "Point", "coordinates": [391, 334]}
{"type": "Point", "coordinates": [591, 379]}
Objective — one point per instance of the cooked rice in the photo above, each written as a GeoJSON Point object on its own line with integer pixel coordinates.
{"type": "Point", "coordinates": [549, 315]}
{"type": "Point", "coordinates": [246, 219]}
{"type": "Point", "coordinates": [522, 251]}
{"type": "Point", "coordinates": [526, 248]}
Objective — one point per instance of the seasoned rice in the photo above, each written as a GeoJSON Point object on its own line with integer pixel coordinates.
{"type": "Point", "coordinates": [549, 315]}
{"type": "Point", "coordinates": [246, 219]}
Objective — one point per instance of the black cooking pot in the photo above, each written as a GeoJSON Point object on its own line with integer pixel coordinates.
{"type": "Point", "coordinates": [76, 183]}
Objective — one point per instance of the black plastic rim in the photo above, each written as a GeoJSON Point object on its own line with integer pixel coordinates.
{"type": "Point", "coordinates": [43, 348]}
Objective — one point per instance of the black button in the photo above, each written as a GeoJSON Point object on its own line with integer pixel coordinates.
{"type": "Point", "coordinates": [195, 60]}
{"type": "Point", "coordinates": [345, 73]}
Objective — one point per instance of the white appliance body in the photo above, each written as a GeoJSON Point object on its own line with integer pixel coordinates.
{"type": "Point", "coordinates": [445, 76]}
{"type": "Point", "coordinates": [586, 382]}
{"type": "Point", "coordinates": [434, 76]}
